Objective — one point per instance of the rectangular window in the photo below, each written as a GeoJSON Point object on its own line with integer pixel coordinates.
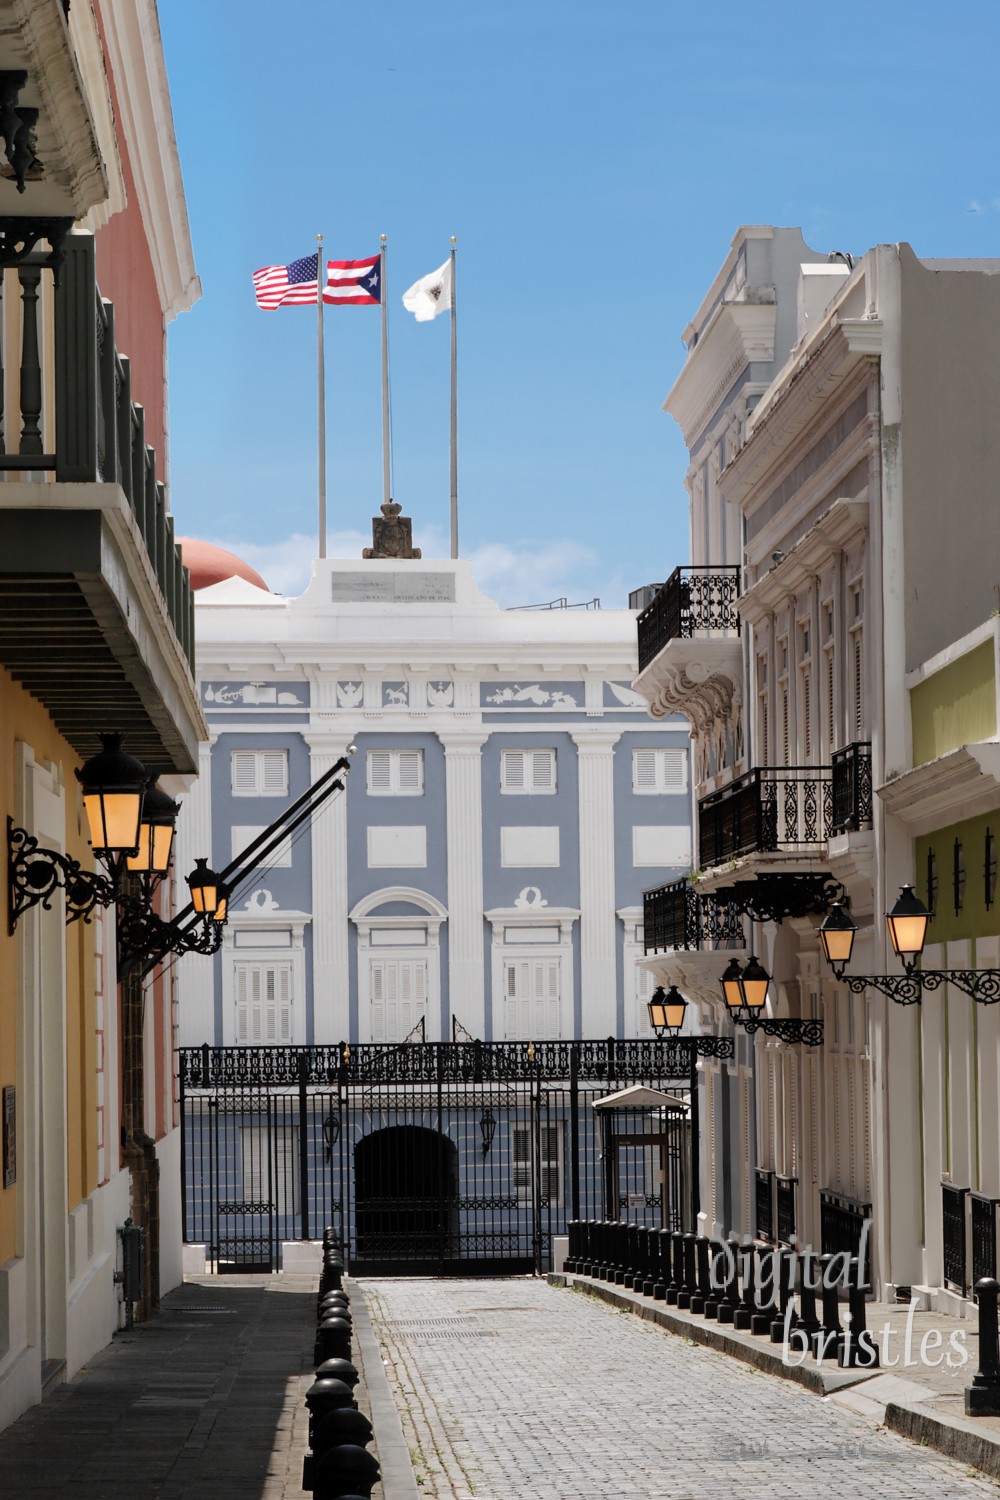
{"type": "Point", "coordinates": [398, 989]}
{"type": "Point", "coordinates": [243, 834]}
{"type": "Point", "coordinates": [532, 998]}
{"type": "Point", "coordinates": [270, 1164]}
{"type": "Point", "coordinates": [550, 1161]}
{"type": "Point", "coordinates": [263, 1001]}
{"type": "Point", "coordinates": [659, 771]}
{"type": "Point", "coordinates": [395, 773]}
{"type": "Point", "coordinates": [259, 773]}
{"type": "Point", "coordinates": [528, 772]}
{"type": "Point", "coordinates": [857, 685]}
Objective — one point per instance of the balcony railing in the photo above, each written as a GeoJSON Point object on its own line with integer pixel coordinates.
{"type": "Point", "coordinates": [692, 599]}
{"type": "Point", "coordinates": [953, 1235]}
{"type": "Point", "coordinates": [764, 1205]}
{"type": "Point", "coordinates": [784, 1197]}
{"type": "Point", "coordinates": [852, 787]}
{"type": "Point", "coordinates": [677, 916]}
{"type": "Point", "coordinates": [845, 1228]}
{"type": "Point", "coordinates": [775, 808]}
{"type": "Point", "coordinates": [984, 1236]}
{"type": "Point", "coordinates": [93, 432]}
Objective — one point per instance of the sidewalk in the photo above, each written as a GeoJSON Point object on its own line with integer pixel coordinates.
{"type": "Point", "coordinates": [204, 1402]}
{"type": "Point", "coordinates": [907, 1395]}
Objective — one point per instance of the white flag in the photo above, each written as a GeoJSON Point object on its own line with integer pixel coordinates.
{"type": "Point", "coordinates": [430, 295]}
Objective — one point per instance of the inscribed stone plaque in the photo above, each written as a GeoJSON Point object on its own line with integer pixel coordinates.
{"type": "Point", "coordinates": [393, 588]}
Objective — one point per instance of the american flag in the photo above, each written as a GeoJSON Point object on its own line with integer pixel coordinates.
{"type": "Point", "coordinates": [287, 286]}
{"type": "Point", "coordinates": [354, 281]}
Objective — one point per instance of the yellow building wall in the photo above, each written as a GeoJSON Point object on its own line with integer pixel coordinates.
{"type": "Point", "coordinates": [974, 918]}
{"type": "Point", "coordinates": [22, 718]}
{"type": "Point", "coordinates": [956, 706]}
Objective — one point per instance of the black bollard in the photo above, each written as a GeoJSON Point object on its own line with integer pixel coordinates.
{"type": "Point", "coordinates": [338, 1369]}
{"type": "Point", "coordinates": [858, 1350]}
{"type": "Point", "coordinates": [703, 1283]}
{"type": "Point", "coordinates": [661, 1263]}
{"type": "Point", "coordinates": [784, 1311]}
{"type": "Point", "coordinates": [808, 1324]}
{"type": "Point", "coordinates": [344, 1470]}
{"type": "Point", "coordinates": [768, 1268]}
{"type": "Point", "coordinates": [743, 1314]}
{"type": "Point", "coordinates": [689, 1262]}
{"type": "Point", "coordinates": [982, 1397]}
{"type": "Point", "coordinates": [716, 1278]}
{"type": "Point", "coordinates": [730, 1303]}
{"type": "Point", "coordinates": [675, 1265]}
{"type": "Point", "coordinates": [827, 1339]}
{"type": "Point", "coordinates": [343, 1425]}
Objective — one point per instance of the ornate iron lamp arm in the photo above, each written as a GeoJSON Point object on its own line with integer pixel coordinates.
{"type": "Point", "coordinates": [785, 1028]}
{"type": "Point", "coordinates": [35, 873]}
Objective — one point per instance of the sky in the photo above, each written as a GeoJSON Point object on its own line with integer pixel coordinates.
{"type": "Point", "coordinates": [593, 164]}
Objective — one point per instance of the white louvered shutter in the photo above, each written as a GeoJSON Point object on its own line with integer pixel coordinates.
{"type": "Point", "coordinates": [244, 773]}
{"type": "Point", "coordinates": [273, 773]}
{"type": "Point", "coordinates": [513, 770]}
{"type": "Point", "coordinates": [644, 771]}
{"type": "Point", "coordinates": [411, 770]}
{"type": "Point", "coordinates": [379, 771]}
{"type": "Point", "coordinates": [543, 770]}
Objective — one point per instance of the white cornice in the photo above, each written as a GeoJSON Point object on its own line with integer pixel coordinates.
{"type": "Point", "coordinates": [829, 535]}
{"type": "Point", "coordinates": [962, 784]}
{"type": "Point", "coordinates": [136, 52]}
{"type": "Point", "coordinates": [737, 334]}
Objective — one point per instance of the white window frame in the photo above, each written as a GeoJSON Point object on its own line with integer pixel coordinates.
{"type": "Point", "coordinates": [396, 759]}
{"type": "Point", "coordinates": [532, 757]}
{"type": "Point", "coordinates": [271, 1152]}
{"type": "Point", "coordinates": [260, 932]}
{"type": "Point", "coordinates": [277, 1009]}
{"type": "Point", "coordinates": [532, 914]}
{"type": "Point", "coordinates": [661, 784]}
{"type": "Point", "coordinates": [263, 764]}
{"type": "Point", "coordinates": [422, 927]}
{"type": "Point", "coordinates": [637, 982]}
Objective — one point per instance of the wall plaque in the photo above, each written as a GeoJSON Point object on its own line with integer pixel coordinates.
{"type": "Point", "coordinates": [9, 1136]}
{"type": "Point", "coordinates": [393, 588]}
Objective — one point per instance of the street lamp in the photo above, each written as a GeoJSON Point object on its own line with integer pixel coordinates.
{"type": "Point", "coordinates": [156, 834]}
{"type": "Point", "coordinates": [206, 888]}
{"type": "Point", "coordinates": [666, 1010]}
{"type": "Point", "coordinates": [907, 924]}
{"type": "Point", "coordinates": [113, 784]}
{"type": "Point", "coordinates": [745, 990]}
{"type": "Point", "coordinates": [837, 932]}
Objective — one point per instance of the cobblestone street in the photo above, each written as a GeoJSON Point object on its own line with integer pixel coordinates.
{"type": "Point", "coordinates": [516, 1388]}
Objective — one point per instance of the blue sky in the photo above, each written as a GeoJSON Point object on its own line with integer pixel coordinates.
{"type": "Point", "coordinates": [593, 164]}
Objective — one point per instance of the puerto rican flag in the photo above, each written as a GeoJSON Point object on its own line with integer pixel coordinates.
{"type": "Point", "coordinates": [358, 282]}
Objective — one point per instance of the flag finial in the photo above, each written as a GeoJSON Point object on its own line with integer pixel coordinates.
{"type": "Point", "coordinates": [382, 238]}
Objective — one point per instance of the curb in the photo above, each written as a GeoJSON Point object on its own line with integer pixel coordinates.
{"type": "Point", "coordinates": [398, 1481]}
{"type": "Point", "coordinates": [748, 1348]}
{"type": "Point", "coordinates": [955, 1437]}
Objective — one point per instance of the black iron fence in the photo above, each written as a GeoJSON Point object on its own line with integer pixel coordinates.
{"type": "Point", "coordinates": [96, 432]}
{"type": "Point", "coordinates": [691, 600]}
{"type": "Point", "coordinates": [678, 916]}
{"type": "Point", "coordinates": [436, 1157]}
{"type": "Point", "coordinates": [953, 1234]}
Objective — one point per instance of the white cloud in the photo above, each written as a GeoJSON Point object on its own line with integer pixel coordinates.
{"type": "Point", "coordinates": [512, 573]}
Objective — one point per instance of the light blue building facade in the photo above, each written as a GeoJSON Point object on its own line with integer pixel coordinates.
{"type": "Point", "coordinates": [509, 801]}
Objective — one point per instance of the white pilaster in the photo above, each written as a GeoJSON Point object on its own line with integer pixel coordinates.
{"type": "Point", "coordinates": [598, 928]}
{"type": "Point", "coordinates": [330, 929]}
{"type": "Point", "coordinates": [195, 974]}
{"type": "Point", "coordinates": [464, 801]}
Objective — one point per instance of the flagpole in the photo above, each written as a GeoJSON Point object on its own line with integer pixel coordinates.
{"type": "Point", "coordinates": [321, 392]}
{"type": "Point", "coordinates": [454, 408]}
{"type": "Point", "coordinates": [386, 434]}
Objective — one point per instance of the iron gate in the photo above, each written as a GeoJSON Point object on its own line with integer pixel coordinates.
{"type": "Point", "coordinates": [425, 1157]}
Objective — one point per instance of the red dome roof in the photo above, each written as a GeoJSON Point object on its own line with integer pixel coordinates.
{"type": "Point", "coordinates": [208, 564]}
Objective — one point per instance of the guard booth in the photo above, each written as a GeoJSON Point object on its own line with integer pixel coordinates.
{"type": "Point", "coordinates": [646, 1150]}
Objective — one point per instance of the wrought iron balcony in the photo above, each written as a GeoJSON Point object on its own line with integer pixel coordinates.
{"type": "Point", "coordinates": [691, 600]}
{"type": "Point", "coordinates": [678, 916]}
{"type": "Point", "coordinates": [776, 808]}
{"type": "Point", "coordinates": [852, 788]}
{"type": "Point", "coordinates": [92, 588]}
